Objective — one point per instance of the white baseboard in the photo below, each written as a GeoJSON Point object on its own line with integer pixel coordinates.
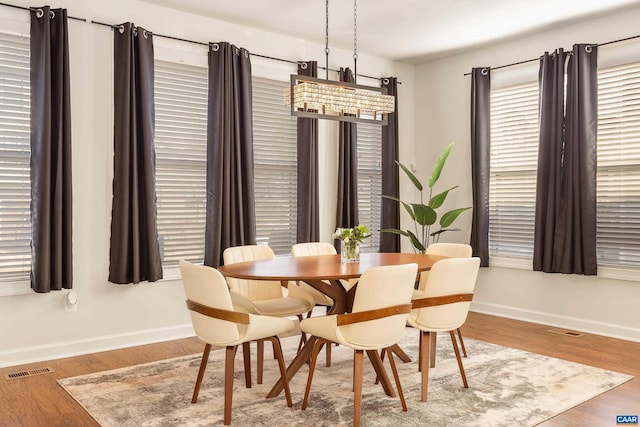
{"type": "Point", "coordinates": [92, 345]}
{"type": "Point", "coordinates": [573, 323]}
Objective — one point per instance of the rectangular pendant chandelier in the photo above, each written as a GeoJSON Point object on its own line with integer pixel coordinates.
{"type": "Point", "coordinates": [349, 102]}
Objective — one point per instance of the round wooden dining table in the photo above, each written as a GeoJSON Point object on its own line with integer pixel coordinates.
{"type": "Point", "coordinates": [326, 274]}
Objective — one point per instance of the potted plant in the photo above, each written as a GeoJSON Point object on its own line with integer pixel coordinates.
{"type": "Point", "coordinates": [426, 215]}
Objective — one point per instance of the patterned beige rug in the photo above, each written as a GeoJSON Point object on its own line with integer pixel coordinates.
{"type": "Point", "coordinates": [507, 387]}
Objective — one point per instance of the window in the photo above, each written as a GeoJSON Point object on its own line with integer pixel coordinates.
{"type": "Point", "coordinates": [514, 156]}
{"type": "Point", "coordinates": [514, 140]}
{"type": "Point", "coordinates": [275, 163]}
{"type": "Point", "coordinates": [15, 183]}
{"type": "Point", "coordinates": [181, 157]}
{"type": "Point", "coordinates": [618, 197]}
{"type": "Point", "coordinates": [370, 182]}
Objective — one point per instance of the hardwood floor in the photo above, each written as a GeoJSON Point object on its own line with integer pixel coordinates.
{"type": "Point", "coordinates": [40, 401]}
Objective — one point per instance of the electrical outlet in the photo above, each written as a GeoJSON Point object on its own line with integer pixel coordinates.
{"type": "Point", "coordinates": [71, 302]}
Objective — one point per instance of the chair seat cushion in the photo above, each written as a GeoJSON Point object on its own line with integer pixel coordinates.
{"type": "Point", "coordinates": [326, 327]}
{"type": "Point", "coordinates": [266, 326]}
{"type": "Point", "coordinates": [323, 327]}
{"type": "Point", "coordinates": [282, 307]}
{"type": "Point", "coordinates": [442, 327]}
{"type": "Point", "coordinates": [318, 297]}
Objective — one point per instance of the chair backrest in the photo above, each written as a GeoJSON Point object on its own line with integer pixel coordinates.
{"type": "Point", "coordinates": [205, 285]}
{"type": "Point", "coordinates": [453, 250]}
{"type": "Point", "coordinates": [449, 277]}
{"type": "Point", "coordinates": [253, 290]}
{"type": "Point", "coordinates": [313, 248]}
{"type": "Point", "coordinates": [381, 287]}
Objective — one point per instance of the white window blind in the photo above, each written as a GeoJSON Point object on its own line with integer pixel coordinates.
{"type": "Point", "coordinates": [181, 157]}
{"type": "Point", "coordinates": [514, 156]}
{"type": "Point", "coordinates": [369, 150]}
{"type": "Point", "coordinates": [618, 197]}
{"type": "Point", "coordinates": [275, 162]}
{"type": "Point", "coordinates": [15, 186]}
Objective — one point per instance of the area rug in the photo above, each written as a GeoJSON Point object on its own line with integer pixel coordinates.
{"type": "Point", "coordinates": [507, 387]}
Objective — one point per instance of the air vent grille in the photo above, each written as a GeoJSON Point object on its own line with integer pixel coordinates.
{"type": "Point", "coordinates": [565, 332]}
{"type": "Point", "coordinates": [28, 373]}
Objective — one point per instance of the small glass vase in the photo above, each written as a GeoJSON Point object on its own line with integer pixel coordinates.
{"type": "Point", "coordinates": [349, 252]}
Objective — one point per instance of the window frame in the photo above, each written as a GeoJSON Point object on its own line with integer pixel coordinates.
{"type": "Point", "coordinates": [181, 53]}
{"type": "Point", "coordinates": [265, 154]}
{"type": "Point", "coordinates": [369, 145]}
{"type": "Point", "coordinates": [16, 24]}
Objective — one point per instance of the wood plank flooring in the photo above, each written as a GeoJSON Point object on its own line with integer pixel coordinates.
{"type": "Point", "coordinates": [40, 401]}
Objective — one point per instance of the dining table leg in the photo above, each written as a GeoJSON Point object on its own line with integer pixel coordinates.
{"type": "Point", "coordinates": [385, 382]}
{"type": "Point", "coordinates": [397, 350]}
{"type": "Point", "coordinates": [301, 358]}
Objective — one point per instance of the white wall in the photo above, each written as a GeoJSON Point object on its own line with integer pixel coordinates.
{"type": "Point", "coordinates": [603, 306]}
{"type": "Point", "coordinates": [35, 326]}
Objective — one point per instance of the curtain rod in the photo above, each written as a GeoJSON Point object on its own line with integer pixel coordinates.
{"type": "Point", "coordinates": [184, 40]}
{"type": "Point", "coordinates": [538, 58]}
{"type": "Point", "coordinates": [251, 53]}
{"type": "Point", "coordinates": [35, 8]}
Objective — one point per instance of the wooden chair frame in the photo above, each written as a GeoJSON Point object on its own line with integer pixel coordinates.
{"type": "Point", "coordinates": [358, 359]}
{"type": "Point", "coordinates": [230, 353]}
{"type": "Point", "coordinates": [426, 338]}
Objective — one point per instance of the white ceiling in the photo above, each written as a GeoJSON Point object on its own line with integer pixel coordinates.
{"type": "Point", "coordinates": [411, 31]}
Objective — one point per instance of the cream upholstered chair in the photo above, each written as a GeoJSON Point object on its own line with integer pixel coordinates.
{"type": "Point", "coordinates": [312, 249]}
{"type": "Point", "coordinates": [217, 323]}
{"type": "Point", "coordinates": [444, 307]}
{"type": "Point", "coordinates": [265, 297]}
{"type": "Point", "coordinates": [380, 309]}
{"type": "Point", "coordinates": [452, 250]}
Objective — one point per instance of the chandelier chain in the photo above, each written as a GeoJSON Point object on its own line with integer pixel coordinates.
{"type": "Point", "coordinates": [355, 29]}
{"type": "Point", "coordinates": [326, 39]}
{"type": "Point", "coordinates": [355, 41]}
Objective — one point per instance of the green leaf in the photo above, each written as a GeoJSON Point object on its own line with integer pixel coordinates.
{"type": "Point", "coordinates": [448, 218]}
{"type": "Point", "coordinates": [395, 199]}
{"type": "Point", "coordinates": [409, 210]}
{"type": "Point", "coordinates": [411, 176]}
{"type": "Point", "coordinates": [406, 206]}
{"type": "Point", "coordinates": [437, 200]}
{"type": "Point", "coordinates": [442, 230]}
{"type": "Point", "coordinates": [416, 243]}
{"type": "Point", "coordinates": [394, 231]}
{"type": "Point", "coordinates": [437, 169]}
{"type": "Point", "coordinates": [424, 215]}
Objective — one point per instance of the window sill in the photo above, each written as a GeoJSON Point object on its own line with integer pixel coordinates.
{"type": "Point", "coordinates": [619, 273]}
{"type": "Point", "coordinates": [22, 287]}
{"type": "Point", "coordinates": [508, 262]}
{"type": "Point", "coordinates": [604, 272]}
{"type": "Point", "coordinates": [171, 274]}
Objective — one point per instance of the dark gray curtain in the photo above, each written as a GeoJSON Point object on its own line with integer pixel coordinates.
{"type": "Point", "coordinates": [551, 121]}
{"type": "Point", "coordinates": [231, 215]}
{"type": "Point", "coordinates": [575, 239]}
{"type": "Point", "coordinates": [565, 231]}
{"type": "Point", "coordinates": [51, 201]}
{"type": "Point", "coordinates": [390, 215]}
{"type": "Point", "coordinates": [480, 155]}
{"type": "Point", "coordinates": [347, 207]}
{"type": "Point", "coordinates": [308, 228]}
{"type": "Point", "coordinates": [135, 250]}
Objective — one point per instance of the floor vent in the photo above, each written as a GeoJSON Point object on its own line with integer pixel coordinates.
{"type": "Point", "coordinates": [29, 373]}
{"type": "Point", "coordinates": [565, 332]}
